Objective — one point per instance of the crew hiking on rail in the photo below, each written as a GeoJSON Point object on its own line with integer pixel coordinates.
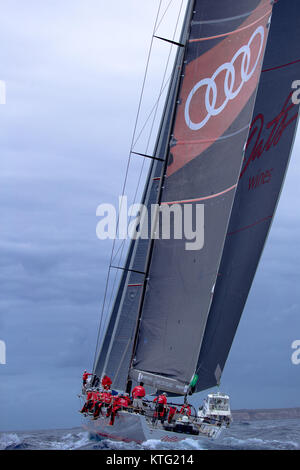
{"type": "Point", "coordinates": [108, 403]}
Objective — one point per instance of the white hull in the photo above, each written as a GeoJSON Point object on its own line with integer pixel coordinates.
{"type": "Point", "coordinates": [131, 427]}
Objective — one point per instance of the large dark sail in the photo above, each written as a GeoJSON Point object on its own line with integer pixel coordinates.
{"type": "Point", "coordinates": [222, 65]}
{"type": "Point", "coordinates": [115, 353]}
{"type": "Point", "coordinates": [262, 175]}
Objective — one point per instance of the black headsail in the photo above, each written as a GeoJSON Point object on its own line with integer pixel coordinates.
{"type": "Point", "coordinates": [222, 65]}
{"type": "Point", "coordinates": [268, 151]}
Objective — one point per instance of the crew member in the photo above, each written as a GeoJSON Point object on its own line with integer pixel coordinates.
{"type": "Point", "coordinates": [185, 410]}
{"type": "Point", "coordinates": [85, 377]}
{"type": "Point", "coordinates": [121, 402]}
{"type": "Point", "coordinates": [172, 413]}
{"type": "Point", "coordinates": [138, 394]}
{"type": "Point", "coordinates": [89, 402]}
{"type": "Point", "coordinates": [98, 405]}
{"type": "Point", "coordinates": [106, 382]}
{"type": "Point", "coordinates": [160, 409]}
{"type": "Point", "coordinates": [95, 399]}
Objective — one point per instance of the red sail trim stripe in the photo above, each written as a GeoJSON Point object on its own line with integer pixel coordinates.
{"type": "Point", "coordinates": [214, 139]}
{"type": "Point", "coordinates": [155, 179]}
{"type": "Point", "coordinates": [281, 66]}
{"type": "Point", "coordinates": [231, 32]}
{"type": "Point", "coordinates": [252, 225]}
{"type": "Point", "coordinates": [135, 285]}
{"type": "Point", "coordinates": [201, 198]}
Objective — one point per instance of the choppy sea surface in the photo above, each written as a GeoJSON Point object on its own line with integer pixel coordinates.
{"type": "Point", "coordinates": [256, 435]}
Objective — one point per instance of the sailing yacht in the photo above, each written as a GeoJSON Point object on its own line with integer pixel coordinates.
{"type": "Point", "coordinates": [224, 142]}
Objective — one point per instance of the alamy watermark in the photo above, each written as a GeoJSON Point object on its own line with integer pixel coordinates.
{"type": "Point", "coordinates": [296, 354]}
{"type": "Point", "coordinates": [179, 221]}
{"type": "Point", "coordinates": [2, 92]}
{"type": "Point", "coordinates": [2, 352]}
{"type": "Point", "coordinates": [296, 94]}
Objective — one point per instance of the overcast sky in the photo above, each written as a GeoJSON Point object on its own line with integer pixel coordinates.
{"type": "Point", "coordinates": [73, 72]}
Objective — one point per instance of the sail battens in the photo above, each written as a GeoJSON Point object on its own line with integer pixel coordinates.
{"type": "Point", "coordinates": [230, 33]}
{"type": "Point", "coordinates": [211, 196]}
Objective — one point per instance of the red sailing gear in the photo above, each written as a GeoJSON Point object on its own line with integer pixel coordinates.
{"type": "Point", "coordinates": [118, 404]}
{"type": "Point", "coordinates": [95, 397]}
{"type": "Point", "coordinates": [100, 403]}
{"type": "Point", "coordinates": [123, 401]}
{"type": "Point", "coordinates": [85, 376]}
{"type": "Point", "coordinates": [161, 399]}
{"type": "Point", "coordinates": [160, 406]}
{"type": "Point", "coordinates": [106, 382]}
{"type": "Point", "coordinates": [185, 410]}
{"type": "Point", "coordinates": [138, 392]}
{"type": "Point", "coordinates": [107, 397]}
{"type": "Point", "coordinates": [172, 413]}
{"type": "Point", "coordinates": [89, 403]}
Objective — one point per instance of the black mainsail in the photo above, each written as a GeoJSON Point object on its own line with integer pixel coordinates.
{"type": "Point", "coordinates": [177, 309]}
{"type": "Point", "coordinates": [115, 353]}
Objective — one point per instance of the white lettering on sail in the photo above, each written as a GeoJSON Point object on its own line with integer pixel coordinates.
{"type": "Point", "coordinates": [229, 82]}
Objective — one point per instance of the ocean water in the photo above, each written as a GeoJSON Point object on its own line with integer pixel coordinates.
{"type": "Point", "coordinates": [256, 435]}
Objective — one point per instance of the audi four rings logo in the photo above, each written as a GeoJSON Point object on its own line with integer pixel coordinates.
{"type": "Point", "coordinates": [229, 82]}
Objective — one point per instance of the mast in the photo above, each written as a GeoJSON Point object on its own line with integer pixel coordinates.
{"type": "Point", "coordinates": [208, 136]}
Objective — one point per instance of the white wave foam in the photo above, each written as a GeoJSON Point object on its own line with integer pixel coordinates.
{"type": "Point", "coordinates": [71, 441]}
{"type": "Point", "coordinates": [261, 443]}
{"type": "Point", "coordinates": [8, 440]}
{"type": "Point", "coordinates": [186, 444]}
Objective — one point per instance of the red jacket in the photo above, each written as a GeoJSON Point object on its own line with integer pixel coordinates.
{"type": "Point", "coordinates": [106, 382]}
{"type": "Point", "coordinates": [185, 409]}
{"type": "Point", "coordinates": [85, 376]}
{"type": "Point", "coordinates": [95, 397]}
{"type": "Point", "coordinates": [107, 398]}
{"type": "Point", "coordinates": [89, 396]}
{"type": "Point", "coordinates": [122, 401]}
{"type": "Point", "coordinates": [161, 399]}
{"type": "Point", "coordinates": [138, 392]}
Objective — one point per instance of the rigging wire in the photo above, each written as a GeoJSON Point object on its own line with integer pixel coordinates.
{"type": "Point", "coordinates": [155, 108]}
{"type": "Point", "coordinates": [159, 95]}
{"type": "Point", "coordinates": [126, 176]}
{"type": "Point", "coordinates": [163, 85]}
{"type": "Point", "coordinates": [163, 15]}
